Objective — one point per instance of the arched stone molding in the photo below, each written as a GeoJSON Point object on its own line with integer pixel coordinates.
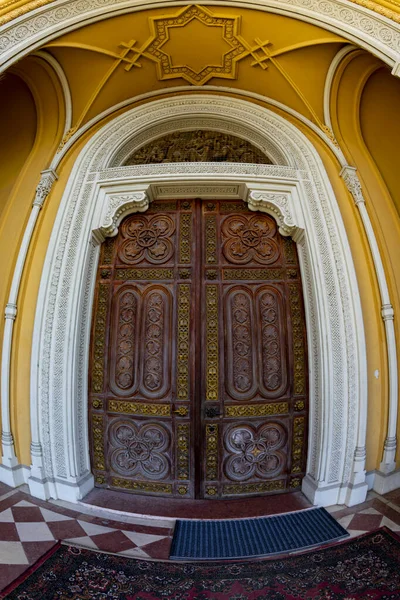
{"type": "Point", "coordinates": [299, 196]}
{"type": "Point", "coordinates": [375, 32]}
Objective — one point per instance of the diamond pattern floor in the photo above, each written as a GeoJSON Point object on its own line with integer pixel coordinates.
{"type": "Point", "coordinates": [29, 527]}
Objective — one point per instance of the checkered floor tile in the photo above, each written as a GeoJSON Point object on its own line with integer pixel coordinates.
{"type": "Point", "coordinates": [30, 527]}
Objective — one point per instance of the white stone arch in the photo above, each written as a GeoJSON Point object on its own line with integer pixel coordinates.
{"type": "Point", "coordinates": [374, 31]}
{"type": "Point", "coordinates": [299, 196]}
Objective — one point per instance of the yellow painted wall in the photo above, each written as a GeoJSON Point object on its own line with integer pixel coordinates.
{"type": "Point", "coordinates": [50, 115]}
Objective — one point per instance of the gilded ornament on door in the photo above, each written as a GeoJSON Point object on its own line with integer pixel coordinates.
{"type": "Point", "coordinates": [98, 442]}
{"type": "Point", "coordinates": [211, 239]}
{"type": "Point", "coordinates": [298, 340]}
{"type": "Point", "coordinates": [182, 362]}
{"type": "Point", "coordinates": [139, 408]}
{"type": "Point", "coordinates": [249, 239]}
{"type": "Point", "coordinates": [252, 274]}
{"type": "Point", "coordinates": [144, 274]}
{"type": "Point", "coordinates": [141, 486]}
{"type": "Point", "coordinates": [139, 449]}
{"type": "Point", "coordinates": [183, 449]}
{"type": "Point", "coordinates": [212, 344]}
{"type": "Point", "coordinates": [298, 444]}
{"type": "Point", "coordinates": [100, 338]}
{"type": "Point", "coordinates": [254, 488]}
{"type": "Point", "coordinates": [211, 452]}
{"type": "Point", "coordinates": [185, 238]}
{"type": "Point", "coordinates": [257, 410]}
{"type": "Point", "coordinates": [253, 452]}
{"type": "Point", "coordinates": [107, 251]}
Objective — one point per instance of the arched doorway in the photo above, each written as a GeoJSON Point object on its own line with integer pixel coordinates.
{"type": "Point", "coordinates": [198, 373]}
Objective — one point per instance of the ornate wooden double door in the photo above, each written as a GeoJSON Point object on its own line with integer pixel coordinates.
{"type": "Point", "coordinates": [198, 374]}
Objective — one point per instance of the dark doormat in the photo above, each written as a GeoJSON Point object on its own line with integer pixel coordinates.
{"type": "Point", "coordinates": [364, 568]}
{"type": "Point", "coordinates": [257, 537]}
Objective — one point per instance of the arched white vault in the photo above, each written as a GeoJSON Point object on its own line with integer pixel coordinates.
{"type": "Point", "coordinates": [295, 191]}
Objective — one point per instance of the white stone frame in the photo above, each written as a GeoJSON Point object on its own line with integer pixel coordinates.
{"type": "Point", "coordinates": [368, 29]}
{"type": "Point", "coordinates": [299, 196]}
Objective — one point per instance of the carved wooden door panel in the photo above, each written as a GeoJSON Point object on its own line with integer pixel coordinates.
{"type": "Point", "coordinates": [141, 376]}
{"type": "Point", "coordinates": [254, 383]}
{"type": "Point", "coordinates": [198, 384]}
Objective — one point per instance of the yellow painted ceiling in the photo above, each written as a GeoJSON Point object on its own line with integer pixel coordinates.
{"type": "Point", "coordinates": [122, 57]}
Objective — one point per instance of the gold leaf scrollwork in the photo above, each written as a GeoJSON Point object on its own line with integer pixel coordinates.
{"type": "Point", "coordinates": [183, 449]}
{"type": "Point", "coordinates": [182, 362]}
{"type": "Point", "coordinates": [144, 274]}
{"type": "Point", "coordinates": [233, 207]}
{"type": "Point", "coordinates": [182, 489]}
{"type": "Point", "coordinates": [289, 250]}
{"type": "Point", "coordinates": [298, 340]}
{"type": "Point", "coordinates": [211, 452]}
{"type": "Point", "coordinates": [211, 239]}
{"type": "Point", "coordinates": [141, 486]}
{"type": "Point", "coordinates": [139, 408]}
{"type": "Point", "coordinates": [212, 365]}
{"type": "Point", "coordinates": [249, 274]}
{"type": "Point", "coordinates": [257, 410]}
{"type": "Point", "coordinates": [107, 251]}
{"type": "Point", "coordinates": [298, 444]}
{"type": "Point", "coordinates": [185, 239]}
{"type": "Point", "coordinates": [211, 490]}
{"type": "Point", "coordinates": [100, 338]}
{"type": "Point", "coordinates": [163, 205]}
{"type": "Point", "coordinates": [254, 488]}
{"type": "Point", "coordinates": [98, 442]}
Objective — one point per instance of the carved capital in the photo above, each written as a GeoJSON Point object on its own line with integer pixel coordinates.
{"type": "Point", "coordinates": [387, 312]}
{"type": "Point", "coordinates": [277, 205]}
{"type": "Point", "coordinates": [11, 311]}
{"type": "Point", "coordinates": [120, 205]}
{"type": "Point", "coordinates": [350, 177]}
{"type": "Point", "coordinates": [47, 179]}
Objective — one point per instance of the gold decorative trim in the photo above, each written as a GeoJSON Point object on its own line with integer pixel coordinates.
{"type": "Point", "coordinates": [160, 206]}
{"type": "Point", "coordinates": [212, 366]}
{"type": "Point", "coordinates": [142, 486]}
{"type": "Point", "coordinates": [183, 448]}
{"type": "Point", "coordinates": [139, 408]}
{"type": "Point", "coordinates": [233, 207]}
{"type": "Point", "coordinates": [257, 410]}
{"type": "Point", "coordinates": [298, 340]}
{"type": "Point", "coordinates": [211, 452]}
{"type": "Point", "coordinates": [298, 444]}
{"type": "Point", "coordinates": [254, 488]}
{"type": "Point", "coordinates": [185, 238]}
{"type": "Point", "coordinates": [100, 338]}
{"type": "Point", "coordinates": [211, 490]}
{"type": "Point", "coordinates": [182, 411]}
{"type": "Point", "coordinates": [143, 274]}
{"type": "Point", "coordinates": [299, 405]}
{"type": "Point", "coordinates": [183, 342]}
{"type": "Point", "coordinates": [289, 251]}
{"type": "Point", "coordinates": [249, 274]}
{"type": "Point", "coordinates": [98, 442]}
{"type": "Point", "coordinates": [107, 251]}
{"type": "Point", "coordinates": [211, 239]}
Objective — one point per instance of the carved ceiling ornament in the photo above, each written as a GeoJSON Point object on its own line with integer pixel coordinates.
{"type": "Point", "coordinates": [198, 146]}
{"type": "Point", "coordinates": [225, 66]}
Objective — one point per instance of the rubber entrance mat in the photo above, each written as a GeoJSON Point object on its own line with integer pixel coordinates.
{"type": "Point", "coordinates": [243, 538]}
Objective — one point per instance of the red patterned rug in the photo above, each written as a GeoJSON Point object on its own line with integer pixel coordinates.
{"type": "Point", "coordinates": [365, 568]}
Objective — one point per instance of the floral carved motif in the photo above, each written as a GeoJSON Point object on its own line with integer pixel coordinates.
{"type": "Point", "coordinates": [271, 355]}
{"type": "Point", "coordinates": [147, 238]}
{"type": "Point", "coordinates": [153, 352]}
{"type": "Point", "coordinates": [242, 344]}
{"type": "Point", "coordinates": [254, 452]}
{"type": "Point", "coordinates": [250, 238]}
{"type": "Point", "coordinates": [140, 450]}
{"type": "Point", "coordinates": [126, 341]}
